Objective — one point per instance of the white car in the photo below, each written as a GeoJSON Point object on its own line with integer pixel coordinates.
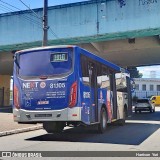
{"type": "Point", "coordinates": [144, 105]}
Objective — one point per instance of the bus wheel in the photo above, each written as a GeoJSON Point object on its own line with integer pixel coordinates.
{"type": "Point", "coordinates": [151, 110]}
{"type": "Point", "coordinates": [103, 121]}
{"type": "Point", "coordinates": [126, 111]}
{"type": "Point", "coordinates": [53, 127]}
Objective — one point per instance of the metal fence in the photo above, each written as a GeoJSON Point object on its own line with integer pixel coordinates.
{"type": "Point", "coordinates": [145, 94]}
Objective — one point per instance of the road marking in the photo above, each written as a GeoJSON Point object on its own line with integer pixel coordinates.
{"type": "Point", "coordinates": [140, 121]}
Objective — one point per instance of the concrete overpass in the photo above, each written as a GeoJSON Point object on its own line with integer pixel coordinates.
{"type": "Point", "coordinates": [124, 32]}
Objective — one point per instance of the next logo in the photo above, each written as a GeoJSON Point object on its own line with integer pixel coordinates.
{"type": "Point", "coordinates": [30, 85]}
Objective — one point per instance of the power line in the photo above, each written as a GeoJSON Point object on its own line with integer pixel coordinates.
{"type": "Point", "coordinates": [4, 7]}
{"type": "Point", "coordinates": [12, 6]}
{"type": "Point", "coordinates": [9, 5]}
{"type": "Point", "coordinates": [17, 9]}
{"type": "Point", "coordinates": [31, 10]}
{"type": "Point", "coordinates": [53, 32]}
{"type": "Point", "coordinates": [24, 16]}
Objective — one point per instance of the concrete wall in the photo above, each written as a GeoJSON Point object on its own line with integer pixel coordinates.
{"type": "Point", "coordinates": [83, 22]}
{"type": "Point", "coordinates": [5, 83]}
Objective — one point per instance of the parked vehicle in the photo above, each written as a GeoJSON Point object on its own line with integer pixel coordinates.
{"type": "Point", "coordinates": [155, 100]}
{"type": "Point", "coordinates": [144, 105]}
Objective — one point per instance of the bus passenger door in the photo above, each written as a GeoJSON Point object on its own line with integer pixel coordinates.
{"type": "Point", "coordinates": [93, 93]}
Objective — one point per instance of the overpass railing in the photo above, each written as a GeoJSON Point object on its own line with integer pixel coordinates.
{"type": "Point", "coordinates": [145, 94]}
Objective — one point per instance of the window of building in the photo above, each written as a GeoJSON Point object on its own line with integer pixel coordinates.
{"type": "Point", "coordinates": [143, 87]}
{"type": "Point", "coordinates": [158, 87]}
{"type": "Point", "coordinates": [137, 87]}
{"type": "Point", "coordinates": [151, 87]}
{"type": "Point", "coordinates": [103, 78]}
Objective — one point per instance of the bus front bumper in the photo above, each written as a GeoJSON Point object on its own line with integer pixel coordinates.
{"type": "Point", "coordinates": [67, 114]}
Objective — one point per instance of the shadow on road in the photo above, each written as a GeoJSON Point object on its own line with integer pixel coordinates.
{"type": "Point", "coordinates": [6, 109]}
{"type": "Point", "coordinates": [130, 134]}
{"type": "Point", "coordinates": [147, 116]}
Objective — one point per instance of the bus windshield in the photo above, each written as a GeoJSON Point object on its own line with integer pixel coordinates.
{"type": "Point", "coordinates": [44, 63]}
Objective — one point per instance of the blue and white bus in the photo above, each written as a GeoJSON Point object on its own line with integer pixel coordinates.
{"type": "Point", "coordinates": [67, 85]}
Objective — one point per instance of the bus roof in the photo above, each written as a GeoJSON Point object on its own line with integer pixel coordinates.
{"type": "Point", "coordinates": [45, 47]}
{"type": "Point", "coordinates": [89, 54]}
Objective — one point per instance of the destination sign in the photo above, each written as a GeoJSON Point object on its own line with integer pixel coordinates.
{"type": "Point", "coordinates": [59, 57]}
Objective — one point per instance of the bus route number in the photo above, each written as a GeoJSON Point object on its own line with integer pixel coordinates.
{"type": "Point", "coordinates": [57, 85]}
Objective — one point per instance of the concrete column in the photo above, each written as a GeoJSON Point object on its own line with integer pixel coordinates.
{"type": "Point", "coordinates": [5, 84]}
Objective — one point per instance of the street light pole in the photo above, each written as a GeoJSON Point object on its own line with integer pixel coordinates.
{"type": "Point", "coordinates": [45, 23]}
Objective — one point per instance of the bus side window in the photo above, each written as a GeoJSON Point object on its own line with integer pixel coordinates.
{"type": "Point", "coordinates": [103, 78]}
{"type": "Point", "coordinates": [99, 76]}
{"type": "Point", "coordinates": [121, 82]}
{"type": "Point", "coordinates": [84, 70]}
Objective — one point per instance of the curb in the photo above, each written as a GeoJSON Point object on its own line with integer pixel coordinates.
{"type": "Point", "coordinates": [16, 131]}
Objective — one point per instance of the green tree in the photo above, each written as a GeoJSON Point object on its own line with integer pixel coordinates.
{"type": "Point", "coordinates": [134, 73]}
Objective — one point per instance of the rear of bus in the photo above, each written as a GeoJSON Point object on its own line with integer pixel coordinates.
{"type": "Point", "coordinates": [45, 87]}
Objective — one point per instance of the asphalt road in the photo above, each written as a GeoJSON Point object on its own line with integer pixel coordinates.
{"type": "Point", "coordinates": [141, 133]}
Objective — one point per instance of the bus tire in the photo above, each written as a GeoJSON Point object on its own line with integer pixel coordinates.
{"type": "Point", "coordinates": [151, 111]}
{"type": "Point", "coordinates": [125, 111]}
{"type": "Point", "coordinates": [53, 127]}
{"type": "Point", "coordinates": [102, 126]}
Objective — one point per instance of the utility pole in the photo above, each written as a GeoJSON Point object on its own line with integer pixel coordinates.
{"type": "Point", "coordinates": [45, 23]}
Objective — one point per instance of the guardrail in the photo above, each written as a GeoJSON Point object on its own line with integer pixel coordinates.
{"type": "Point", "coordinates": [145, 94]}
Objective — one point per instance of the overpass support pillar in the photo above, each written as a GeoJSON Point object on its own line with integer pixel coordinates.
{"type": "Point", "coordinates": [5, 90]}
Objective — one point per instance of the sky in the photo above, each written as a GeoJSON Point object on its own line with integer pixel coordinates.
{"type": "Point", "coordinates": [39, 4]}
{"type": "Point", "coordinates": [150, 71]}
{"type": "Point", "coordinates": [31, 3]}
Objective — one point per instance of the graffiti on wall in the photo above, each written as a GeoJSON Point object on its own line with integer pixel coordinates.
{"type": "Point", "coordinates": [122, 3]}
{"type": "Point", "coordinates": [145, 2]}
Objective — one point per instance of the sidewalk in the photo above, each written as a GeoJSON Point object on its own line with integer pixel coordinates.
{"type": "Point", "coordinates": [8, 126]}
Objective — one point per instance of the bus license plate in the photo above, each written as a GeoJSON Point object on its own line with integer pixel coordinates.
{"type": "Point", "coordinates": [43, 102]}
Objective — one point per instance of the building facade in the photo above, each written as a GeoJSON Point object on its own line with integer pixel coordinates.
{"type": "Point", "coordinates": [146, 87]}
